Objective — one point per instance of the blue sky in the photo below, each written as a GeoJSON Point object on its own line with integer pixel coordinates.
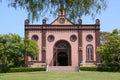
{"type": "Point", "coordinates": [12, 21]}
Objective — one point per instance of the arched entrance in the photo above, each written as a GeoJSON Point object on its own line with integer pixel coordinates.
{"type": "Point", "coordinates": [62, 54]}
{"type": "Point", "coordinates": [62, 59]}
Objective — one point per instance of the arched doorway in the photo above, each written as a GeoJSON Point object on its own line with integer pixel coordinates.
{"type": "Point", "coordinates": [62, 59]}
{"type": "Point", "coordinates": [62, 53]}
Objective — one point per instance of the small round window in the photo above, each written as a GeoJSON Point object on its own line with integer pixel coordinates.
{"type": "Point", "coordinates": [73, 38]}
{"type": "Point", "coordinates": [61, 20]}
{"type": "Point", "coordinates": [51, 38]}
{"type": "Point", "coordinates": [89, 38]}
{"type": "Point", "coordinates": [35, 37]}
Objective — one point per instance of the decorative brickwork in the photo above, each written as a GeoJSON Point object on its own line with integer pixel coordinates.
{"type": "Point", "coordinates": [61, 30]}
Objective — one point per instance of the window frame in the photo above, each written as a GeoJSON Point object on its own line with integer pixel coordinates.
{"type": "Point", "coordinates": [35, 37]}
{"type": "Point", "coordinates": [89, 53]}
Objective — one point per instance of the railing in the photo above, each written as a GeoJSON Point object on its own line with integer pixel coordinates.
{"type": "Point", "coordinates": [52, 59]}
{"type": "Point", "coordinates": [46, 66]}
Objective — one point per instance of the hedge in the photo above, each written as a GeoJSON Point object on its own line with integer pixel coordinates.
{"type": "Point", "coordinates": [24, 69]}
{"type": "Point", "coordinates": [102, 68]}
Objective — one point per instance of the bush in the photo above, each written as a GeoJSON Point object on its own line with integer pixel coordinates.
{"type": "Point", "coordinates": [101, 68]}
{"type": "Point", "coordinates": [0, 70]}
{"type": "Point", "coordinates": [82, 68]}
{"type": "Point", "coordinates": [24, 69]}
{"type": "Point", "coordinates": [109, 69]}
{"type": "Point", "coordinates": [3, 69]}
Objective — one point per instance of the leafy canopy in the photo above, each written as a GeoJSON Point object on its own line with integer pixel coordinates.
{"type": "Point", "coordinates": [13, 48]}
{"type": "Point", "coordinates": [73, 8]}
{"type": "Point", "coordinates": [104, 37]}
{"type": "Point", "coordinates": [110, 49]}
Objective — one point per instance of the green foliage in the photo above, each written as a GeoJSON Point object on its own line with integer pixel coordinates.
{"type": "Point", "coordinates": [110, 50]}
{"type": "Point", "coordinates": [13, 48]}
{"type": "Point", "coordinates": [101, 68]}
{"type": "Point", "coordinates": [104, 37]}
{"type": "Point", "coordinates": [73, 8]}
{"type": "Point", "coordinates": [26, 69]}
{"type": "Point", "coordinates": [29, 47]}
{"type": "Point", "coordinates": [88, 68]}
{"type": "Point", "coordinates": [9, 48]}
{"type": "Point", "coordinates": [23, 69]}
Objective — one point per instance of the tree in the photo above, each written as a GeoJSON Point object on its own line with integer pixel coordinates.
{"type": "Point", "coordinates": [104, 37]}
{"type": "Point", "coordinates": [13, 48]}
{"type": "Point", "coordinates": [110, 50]}
{"type": "Point", "coordinates": [73, 8]}
{"type": "Point", "coordinates": [29, 47]}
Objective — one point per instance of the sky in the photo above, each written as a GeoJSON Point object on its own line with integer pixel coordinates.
{"type": "Point", "coordinates": [12, 20]}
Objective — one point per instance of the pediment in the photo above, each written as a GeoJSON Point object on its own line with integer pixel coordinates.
{"type": "Point", "coordinates": [61, 21]}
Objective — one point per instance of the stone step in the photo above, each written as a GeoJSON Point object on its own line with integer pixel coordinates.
{"type": "Point", "coordinates": [63, 69]}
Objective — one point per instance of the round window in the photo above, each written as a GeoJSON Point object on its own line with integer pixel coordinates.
{"type": "Point", "coordinates": [51, 38]}
{"type": "Point", "coordinates": [35, 37]}
{"type": "Point", "coordinates": [89, 38]}
{"type": "Point", "coordinates": [73, 38]}
{"type": "Point", "coordinates": [61, 20]}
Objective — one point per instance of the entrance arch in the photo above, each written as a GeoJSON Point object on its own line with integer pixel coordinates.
{"type": "Point", "coordinates": [62, 53]}
{"type": "Point", "coordinates": [62, 59]}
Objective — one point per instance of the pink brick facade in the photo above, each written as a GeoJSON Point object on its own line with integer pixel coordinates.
{"type": "Point", "coordinates": [63, 43]}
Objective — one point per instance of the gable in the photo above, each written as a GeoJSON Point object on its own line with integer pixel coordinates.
{"type": "Point", "coordinates": [61, 21]}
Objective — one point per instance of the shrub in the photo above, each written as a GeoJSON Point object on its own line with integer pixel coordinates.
{"type": "Point", "coordinates": [101, 68]}
{"type": "Point", "coordinates": [26, 69]}
{"type": "Point", "coordinates": [82, 68]}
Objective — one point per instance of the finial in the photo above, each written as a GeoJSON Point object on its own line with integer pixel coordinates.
{"type": "Point", "coordinates": [80, 21]}
{"type": "Point", "coordinates": [26, 22]}
{"type": "Point", "coordinates": [44, 21]}
{"type": "Point", "coordinates": [97, 21]}
{"type": "Point", "coordinates": [61, 11]}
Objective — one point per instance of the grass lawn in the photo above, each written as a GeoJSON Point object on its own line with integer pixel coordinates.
{"type": "Point", "coordinates": [60, 76]}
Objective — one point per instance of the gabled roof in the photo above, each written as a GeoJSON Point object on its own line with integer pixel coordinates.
{"type": "Point", "coordinates": [62, 20]}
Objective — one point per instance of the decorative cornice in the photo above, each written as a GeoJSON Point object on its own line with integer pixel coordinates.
{"type": "Point", "coordinates": [38, 25]}
{"type": "Point", "coordinates": [62, 27]}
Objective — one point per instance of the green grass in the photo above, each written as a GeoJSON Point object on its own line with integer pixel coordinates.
{"type": "Point", "coordinates": [60, 76]}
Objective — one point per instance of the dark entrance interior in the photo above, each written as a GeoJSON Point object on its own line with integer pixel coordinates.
{"type": "Point", "coordinates": [62, 59]}
{"type": "Point", "coordinates": [62, 54]}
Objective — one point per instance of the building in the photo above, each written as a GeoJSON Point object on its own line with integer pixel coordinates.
{"type": "Point", "coordinates": [63, 43]}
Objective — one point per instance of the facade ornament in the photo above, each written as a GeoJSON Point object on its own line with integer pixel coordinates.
{"type": "Point", "coordinates": [26, 22]}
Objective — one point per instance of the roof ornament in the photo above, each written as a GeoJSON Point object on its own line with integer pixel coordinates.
{"type": "Point", "coordinates": [97, 21]}
{"type": "Point", "coordinates": [44, 21]}
{"type": "Point", "coordinates": [80, 21]}
{"type": "Point", "coordinates": [26, 22]}
{"type": "Point", "coordinates": [61, 11]}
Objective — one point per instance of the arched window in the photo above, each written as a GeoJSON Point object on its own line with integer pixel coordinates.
{"type": "Point", "coordinates": [62, 44]}
{"type": "Point", "coordinates": [89, 53]}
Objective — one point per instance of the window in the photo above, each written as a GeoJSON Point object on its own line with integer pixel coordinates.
{"type": "Point", "coordinates": [73, 38]}
{"type": "Point", "coordinates": [35, 37]}
{"type": "Point", "coordinates": [51, 38]}
{"type": "Point", "coordinates": [34, 58]}
{"type": "Point", "coordinates": [62, 44]}
{"type": "Point", "coordinates": [61, 20]}
{"type": "Point", "coordinates": [89, 38]}
{"type": "Point", "coordinates": [89, 55]}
